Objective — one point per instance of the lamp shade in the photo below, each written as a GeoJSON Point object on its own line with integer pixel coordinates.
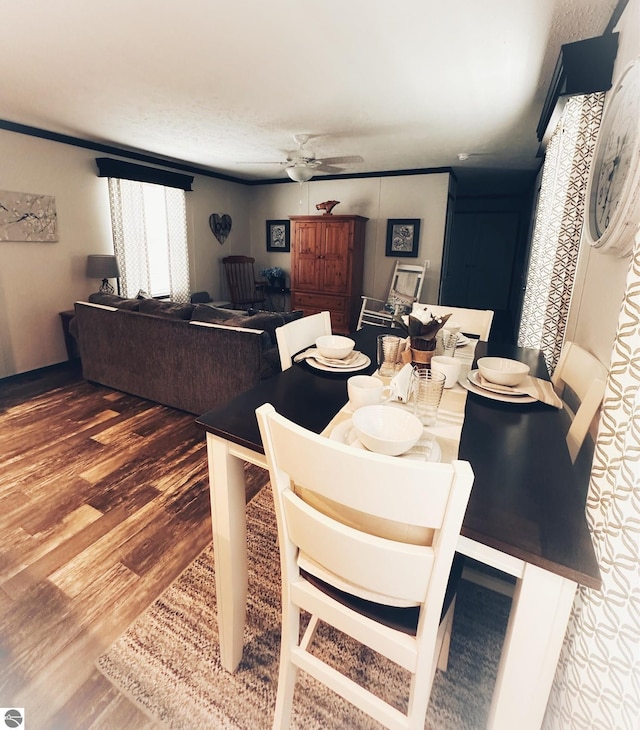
{"type": "Point", "coordinates": [102, 266]}
{"type": "Point", "coordinates": [300, 173]}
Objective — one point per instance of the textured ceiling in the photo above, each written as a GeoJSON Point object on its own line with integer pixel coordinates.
{"type": "Point", "coordinates": [225, 85]}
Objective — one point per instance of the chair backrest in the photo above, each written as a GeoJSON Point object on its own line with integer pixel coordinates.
{"type": "Point", "coordinates": [470, 321]}
{"type": "Point", "coordinates": [295, 336]}
{"type": "Point", "coordinates": [241, 280]}
{"type": "Point", "coordinates": [579, 379]}
{"type": "Point", "coordinates": [320, 536]}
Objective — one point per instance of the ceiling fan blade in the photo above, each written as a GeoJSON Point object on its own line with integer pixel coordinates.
{"type": "Point", "coordinates": [341, 160]}
{"type": "Point", "coordinates": [329, 168]}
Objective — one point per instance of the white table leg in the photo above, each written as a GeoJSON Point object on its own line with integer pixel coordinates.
{"type": "Point", "coordinates": [537, 624]}
{"type": "Point", "coordinates": [229, 522]}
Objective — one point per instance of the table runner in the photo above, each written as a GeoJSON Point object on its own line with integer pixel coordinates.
{"type": "Point", "coordinates": [448, 427]}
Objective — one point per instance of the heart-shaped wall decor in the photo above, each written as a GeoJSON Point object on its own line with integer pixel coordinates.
{"type": "Point", "coordinates": [220, 224]}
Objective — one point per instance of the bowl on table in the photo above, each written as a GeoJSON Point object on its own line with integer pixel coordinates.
{"type": "Point", "coordinates": [335, 346]}
{"type": "Point", "coordinates": [386, 429]}
{"type": "Point", "coordinates": [502, 371]}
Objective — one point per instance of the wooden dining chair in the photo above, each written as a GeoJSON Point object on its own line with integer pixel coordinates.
{"type": "Point", "coordinates": [295, 336]}
{"type": "Point", "coordinates": [579, 379]}
{"type": "Point", "coordinates": [470, 321]}
{"type": "Point", "coordinates": [244, 289]}
{"type": "Point", "coordinates": [340, 564]}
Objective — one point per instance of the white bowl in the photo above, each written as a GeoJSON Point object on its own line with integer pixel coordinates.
{"type": "Point", "coordinates": [386, 429]}
{"type": "Point", "coordinates": [502, 371]}
{"type": "Point", "coordinates": [335, 346]}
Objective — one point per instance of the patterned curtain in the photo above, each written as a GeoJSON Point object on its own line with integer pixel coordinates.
{"type": "Point", "coordinates": [129, 224]}
{"type": "Point", "coordinates": [558, 225]}
{"type": "Point", "coordinates": [597, 683]}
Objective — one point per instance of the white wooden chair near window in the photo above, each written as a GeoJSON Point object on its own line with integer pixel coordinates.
{"type": "Point", "coordinates": [471, 321]}
{"type": "Point", "coordinates": [295, 336]}
{"type": "Point", "coordinates": [362, 581]}
{"type": "Point", "coordinates": [405, 289]}
{"type": "Point", "coordinates": [579, 379]}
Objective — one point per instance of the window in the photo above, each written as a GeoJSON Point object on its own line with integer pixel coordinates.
{"type": "Point", "coordinates": [148, 217]}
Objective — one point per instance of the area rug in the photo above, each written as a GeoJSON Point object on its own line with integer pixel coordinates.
{"type": "Point", "coordinates": [168, 661]}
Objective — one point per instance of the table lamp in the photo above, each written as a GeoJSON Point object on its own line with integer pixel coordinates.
{"type": "Point", "coordinates": [105, 267]}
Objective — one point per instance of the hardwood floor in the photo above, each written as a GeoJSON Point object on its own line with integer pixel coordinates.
{"type": "Point", "coordinates": [103, 501]}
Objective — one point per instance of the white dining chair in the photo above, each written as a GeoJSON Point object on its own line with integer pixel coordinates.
{"type": "Point", "coordinates": [579, 379]}
{"type": "Point", "coordinates": [295, 336]}
{"type": "Point", "coordinates": [341, 564]}
{"type": "Point", "coordinates": [470, 321]}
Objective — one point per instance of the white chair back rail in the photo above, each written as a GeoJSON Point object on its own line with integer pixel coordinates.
{"type": "Point", "coordinates": [295, 336]}
{"type": "Point", "coordinates": [406, 287]}
{"type": "Point", "coordinates": [471, 321]}
{"type": "Point", "coordinates": [585, 376]}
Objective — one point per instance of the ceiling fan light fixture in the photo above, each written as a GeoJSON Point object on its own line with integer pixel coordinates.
{"type": "Point", "coordinates": [300, 173]}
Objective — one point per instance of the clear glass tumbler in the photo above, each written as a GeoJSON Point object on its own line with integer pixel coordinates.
{"type": "Point", "coordinates": [446, 342]}
{"type": "Point", "coordinates": [388, 354]}
{"type": "Point", "coordinates": [426, 388]}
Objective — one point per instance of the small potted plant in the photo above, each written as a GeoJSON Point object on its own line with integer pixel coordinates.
{"type": "Point", "coordinates": [275, 276]}
{"type": "Point", "coordinates": [422, 328]}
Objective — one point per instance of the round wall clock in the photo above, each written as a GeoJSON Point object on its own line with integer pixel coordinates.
{"type": "Point", "coordinates": [613, 193]}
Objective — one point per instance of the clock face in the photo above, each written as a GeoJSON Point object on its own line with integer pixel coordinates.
{"type": "Point", "coordinates": [613, 196]}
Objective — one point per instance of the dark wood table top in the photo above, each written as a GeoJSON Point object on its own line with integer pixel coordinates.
{"type": "Point", "coordinates": [525, 501]}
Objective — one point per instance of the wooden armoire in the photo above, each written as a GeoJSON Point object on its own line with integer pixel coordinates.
{"type": "Point", "coordinates": [326, 267]}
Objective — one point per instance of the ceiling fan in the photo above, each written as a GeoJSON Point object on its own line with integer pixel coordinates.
{"type": "Point", "coordinates": [302, 164]}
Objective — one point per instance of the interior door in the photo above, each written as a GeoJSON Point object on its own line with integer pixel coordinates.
{"type": "Point", "coordinates": [480, 260]}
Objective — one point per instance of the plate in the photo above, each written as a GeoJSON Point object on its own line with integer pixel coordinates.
{"type": "Point", "coordinates": [471, 387]}
{"type": "Point", "coordinates": [344, 433]}
{"type": "Point", "coordinates": [462, 340]}
{"type": "Point", "coordinates": [364, 362]}
{"type": "Point", "coordinates": [474, 377]}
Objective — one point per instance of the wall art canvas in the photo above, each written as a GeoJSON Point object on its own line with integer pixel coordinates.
{"type": "Point", "coordinates": [27, 217]}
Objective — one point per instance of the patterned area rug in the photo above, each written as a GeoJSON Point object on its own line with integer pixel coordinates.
{"type": "Point", "coordinates": [168, 663]}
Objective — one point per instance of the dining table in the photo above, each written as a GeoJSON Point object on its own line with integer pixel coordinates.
{"type": "Point", "coordinates": [525, 516]}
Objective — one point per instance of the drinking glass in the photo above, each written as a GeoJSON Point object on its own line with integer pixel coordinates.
{"type": "Point", "coordinates": [446, 342]}
{"type": "Point", "coordinates": [388, 354]}
{"type": "Point", "coordinates": [427, 387]}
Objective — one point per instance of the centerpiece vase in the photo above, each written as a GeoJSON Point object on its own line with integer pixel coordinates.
{"type": "Point", "coordinates": [422, 350]}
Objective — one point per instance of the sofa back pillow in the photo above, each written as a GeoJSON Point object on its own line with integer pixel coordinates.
{"type": "Point", "coordinates": [171, 310]}
{"type": "Point", "coordinates": [113, 300]}
{"type": "Point", "coordinates": [205, 313]}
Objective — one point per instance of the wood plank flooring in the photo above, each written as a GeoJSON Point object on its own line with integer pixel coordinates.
{"type": "Point", "coordinates": [103, 501]}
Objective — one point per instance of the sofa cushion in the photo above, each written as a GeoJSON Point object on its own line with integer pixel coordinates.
{"type": "Point", "coordinates": [113, 300]}
{"type": "Point", "coordinates": [269, 321]}
{"type": "Point", "coordinates": [171, 310]}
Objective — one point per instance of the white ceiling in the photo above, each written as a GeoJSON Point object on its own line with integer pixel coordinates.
{"type": "Point", "coordinates": [224, 84]}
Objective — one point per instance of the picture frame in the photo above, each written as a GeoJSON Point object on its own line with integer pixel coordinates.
{"type": "Point", "coordinates": [403, 237]}
{"type": "Point", "coordinates": [278, 236]}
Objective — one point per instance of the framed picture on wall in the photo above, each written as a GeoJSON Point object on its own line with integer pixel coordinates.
{"type": "Point", "coordinates": [403, 237]}
{"type": "Point", "coordinates": [278, 236]}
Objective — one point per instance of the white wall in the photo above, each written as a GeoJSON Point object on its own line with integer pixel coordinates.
{"type": "Point", "coordinates": [38, 280]}
{"type": "Point", "coordinates": [377, 198]}
{"type": "Point", "coordinates": [600, 278]}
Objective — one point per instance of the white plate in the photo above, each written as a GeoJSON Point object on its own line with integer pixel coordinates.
{"type": "Point", "coordinates": [462, 340]}
{"type": "Point", "coordinates": [474, 377]}
{"type": "Point", "coordinates": [346, 434]}
{"type": "Point", "coordinates": [470, 386]}
{"type": "Point", "coordinates": [360, 364]}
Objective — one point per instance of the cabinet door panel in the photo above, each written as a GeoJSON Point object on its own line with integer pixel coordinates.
{"type": "Point", "coordinates": [307, 243]}
{"type": "Point", "coordinates": [336, 256]}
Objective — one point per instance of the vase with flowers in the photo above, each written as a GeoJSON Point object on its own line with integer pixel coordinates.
{"type": "Point", "coordinates": [422, 328]}
{"type": "Point", "coordinates": [275, 276]}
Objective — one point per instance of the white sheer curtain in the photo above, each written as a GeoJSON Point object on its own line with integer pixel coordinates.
{"type": "Point", "coordinates": [150, 239]}
{"type": "Point", "coordinates": [597, 683]}
{"type": "Point", "coordinates": [558, 226]}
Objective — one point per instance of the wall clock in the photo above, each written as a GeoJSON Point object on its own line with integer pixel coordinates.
{"type": "Point", "coordinates": [613, 192]}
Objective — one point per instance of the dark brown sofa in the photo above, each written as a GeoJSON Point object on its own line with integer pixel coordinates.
{"type": "Point", "coordinates": [173, 356]}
